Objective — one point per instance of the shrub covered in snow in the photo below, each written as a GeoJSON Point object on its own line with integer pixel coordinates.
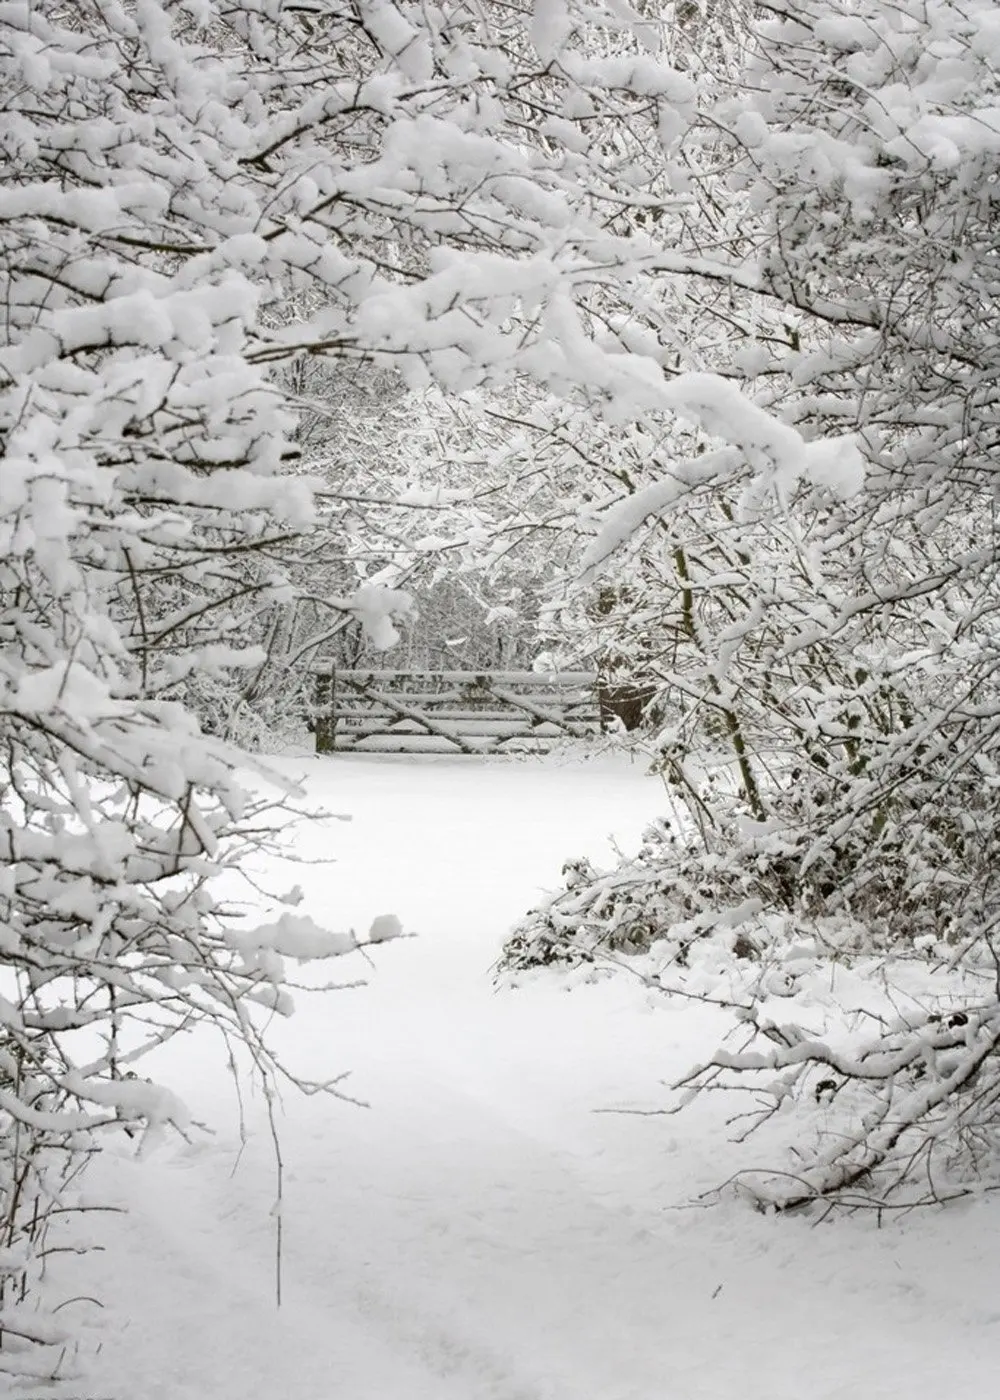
{"type": "Point", "coordinates": [820, 616]}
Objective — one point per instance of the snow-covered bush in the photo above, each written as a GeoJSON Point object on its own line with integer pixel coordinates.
{"type": "Point", "coordinates": [666, 897]}
{"type": "Point", "coordinates": [896, 1107]}
{"type": "Point", "coordinates": [823, 632]}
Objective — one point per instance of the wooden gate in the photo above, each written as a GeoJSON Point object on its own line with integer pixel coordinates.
{"type": "Point", "coordinates": [464, 712]}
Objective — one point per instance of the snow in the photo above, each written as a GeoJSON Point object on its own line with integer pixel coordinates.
{"type": "Point", "coordinates": [551, 25]}
{"type": "Point", "coordinates": [776, 452]}
{"type": "Point", "coordinates": [479, 1232]}
{"type": "Point", "coordinates": [374, 607]}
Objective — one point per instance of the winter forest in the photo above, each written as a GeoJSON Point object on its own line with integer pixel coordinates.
{"type": "Point", "coordinates": [654, 342]}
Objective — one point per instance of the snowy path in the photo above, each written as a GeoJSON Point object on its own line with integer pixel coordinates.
{"type": "Point", "coordinates": [480, 1233]}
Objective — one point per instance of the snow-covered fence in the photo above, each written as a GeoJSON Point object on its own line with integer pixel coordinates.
{"type": "Point", "coordinates": [452, 711]}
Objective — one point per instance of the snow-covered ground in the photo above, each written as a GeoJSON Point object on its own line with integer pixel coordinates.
{"type": "Point", "coordinates": [479, 1232]}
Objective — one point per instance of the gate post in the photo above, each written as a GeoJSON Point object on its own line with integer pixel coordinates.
{"type": "Point", "coordinates": [326, 724]}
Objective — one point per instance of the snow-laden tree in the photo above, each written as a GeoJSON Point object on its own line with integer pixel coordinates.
{"type": "Point", "coordinates": [430, 492]}
{"type": "Point", "coordinates": [826, 650]}
{"type": "Point", "coordinates": [201, 197]}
